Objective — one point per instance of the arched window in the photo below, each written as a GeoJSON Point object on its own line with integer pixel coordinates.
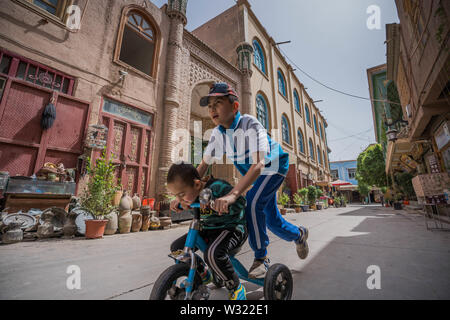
{"type": "Point", "coordinates": [281, 83]}
{"type": "Point", "coordinates": [308, 116]}
{"type": "Point", "coordinates": [262, 112]}
{"type": "Point", "coordinates": [285, 130]}
{"type": "Point", "coordinates": [138, 42]}
{"type": "Point", "coordinates": [319, 155]}
{"type": "Point", "coordinates": [301, 143]}
{"type": "Point", "coordinates": [315, 125]}
{"type": "Point", "coordinates": [260, 61]}
{"type": "Point", "coordinates": [311, 150]}
{"type": "Point", "coordinates": [297, 101]}
{"type": "Point", "coordinates": [321, 131]}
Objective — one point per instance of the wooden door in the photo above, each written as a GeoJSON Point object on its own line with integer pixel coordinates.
{"type": "Point", "coordinates": [129, 145]}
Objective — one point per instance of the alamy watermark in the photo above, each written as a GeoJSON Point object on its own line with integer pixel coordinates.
{"type": "Point", "coordinates": [73, 282]}
{"type": "Point", "coordinates": [74, 17]}
{"type": "Point", "coordinates": [374, 281]}
{"type": "Point", "coordinates": [374, 20]}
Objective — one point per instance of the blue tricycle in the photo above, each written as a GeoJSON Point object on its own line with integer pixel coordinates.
{"type": "Point", "coordinates": [182, 281]}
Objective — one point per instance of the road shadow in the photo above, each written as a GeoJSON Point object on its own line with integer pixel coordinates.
{"type": "Point", "coordinates": [413, 261]}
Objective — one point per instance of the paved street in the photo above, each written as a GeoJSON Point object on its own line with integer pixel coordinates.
{"type": "Point", "coordinates": [343, 243]}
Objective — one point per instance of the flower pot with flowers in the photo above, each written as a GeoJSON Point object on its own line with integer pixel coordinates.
{"type": "Point", "coordinates": [98, 196]}
{"type": "Point", "coordinates": [319, 203]}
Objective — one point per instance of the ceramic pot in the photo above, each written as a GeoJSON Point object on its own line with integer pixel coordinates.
{"type": "Point", "coordinates": [125, 220]}
{"type": "Point", "coordinates": [14, 233]}
{"type": "Point", "coordinates": [117, 197]}
{"type": "Point", "coordinates": [126, 203]}
{"type": "Point", "coordinates": [146, 215]}
{"type": "Point", "coordinates": [136, 202]}
{"type": "Point", "coordinates": [154, 223]}
{"type": "Point", "coordinates": [165, 221]}
{"type": "Point", "coordinates": [95, 228]}
{"type": "Point", "coordinates": [70, 228]}
{"type": "Point", "coordinates": [113, 223]}
{"type": "Point", "coordinates": [136, 222]}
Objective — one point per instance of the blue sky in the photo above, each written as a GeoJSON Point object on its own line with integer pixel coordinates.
{"type": "Point", "coordinates": [332, 43]}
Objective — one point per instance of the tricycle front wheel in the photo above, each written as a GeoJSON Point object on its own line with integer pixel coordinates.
{"type": "Point", "coordinates": [278, 283]}
{"type": "Point", "coordinates": [170, 284]}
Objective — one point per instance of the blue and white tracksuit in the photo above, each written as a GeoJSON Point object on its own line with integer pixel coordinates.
{"type": "Point", "coordinates": [245, 137]}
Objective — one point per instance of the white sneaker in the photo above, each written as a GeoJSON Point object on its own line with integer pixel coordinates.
{"type": "Point", "coordinates": [301, 244]}
{"type": "Point", "coordinates": [259, 268]}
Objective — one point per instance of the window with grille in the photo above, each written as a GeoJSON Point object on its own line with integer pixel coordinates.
{"type": "Point", "coordinates": [301, 145]}
{"type": "Point", "coordinates": [311, 150]}
{"type": "Point", "coordinates": [308, 116]}
{"type": "Point", "coordinates": [54, 7]}
{"type": "Point", "coordinates": [259, 56]}
{"type": "Point", "coordinates": [281, 83]}
{"type": "Point", "coordinates": [285, 130]}
{"type": "Point", "coordinates": [351, 173]}
{"type": "Point", "coordinates": [35, 73]}
{"type": "Point", "coordinates": [334, 174]}
{"type": "Point", "coordinates": [138, 43]}
{"type": "Point", "coordinates": [297, 101]}
{"type": "Point", "coordinates": [2, 87]}
{"type": "Point", "coordinates": [262, 112]}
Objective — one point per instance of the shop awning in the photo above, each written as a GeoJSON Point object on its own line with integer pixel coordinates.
{"type": "Point", "coordinates": [340, 183]}
{"type": "Point", "coordinates": [351, 187]}
{"type": "Point", "coordinates": [323, 183]}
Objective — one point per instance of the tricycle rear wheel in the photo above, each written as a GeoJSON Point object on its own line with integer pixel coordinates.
{"type": "Point", "coordinates": [278, 283]}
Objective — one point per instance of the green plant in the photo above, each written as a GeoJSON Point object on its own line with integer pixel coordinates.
{"type": "Point", "coordinates": [99, 193]}
{"type": "Point", "coordinates": [383, 190]}
{"type": "Point", "coordinates": [312, 195]}
{"type": "Point", "coordinates": [363, 189]}
{"type": "Point", "coordinates": [371, 167]}
{"type": "Point", "coordinates": [284, 199]}
{"type": "Point", "coordinates": [404, 182]}
{"type": "Point", "coordinates": [319, 193]}
{"type": "Point", "coordinates": [298, 199]}
{"type": "Point", "coordinates": [303, 194]}
{"type": "Point", "coordinates": [398, 197]}
{"type": "Point", "coordinates": [337, 201]}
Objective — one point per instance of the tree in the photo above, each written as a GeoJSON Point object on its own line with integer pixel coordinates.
{"type": "Point", "coordinates": [371, 167]}
{"type": "Point", "coordinates": [363, 189]}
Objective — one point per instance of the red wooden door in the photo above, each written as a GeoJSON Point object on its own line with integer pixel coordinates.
{"type": "Point", "coordinates": [24, 145]}
{"type": "Point", "coordinates": [129, 145]}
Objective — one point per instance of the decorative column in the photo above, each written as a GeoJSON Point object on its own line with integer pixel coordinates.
{"type": "Point", "coordinates": [245, 56]}
{"type": "Point", "coordinates": [176, 10]}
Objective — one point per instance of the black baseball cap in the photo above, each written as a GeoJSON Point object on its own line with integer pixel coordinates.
{"type": "Point", "coordinates": [218, 89]}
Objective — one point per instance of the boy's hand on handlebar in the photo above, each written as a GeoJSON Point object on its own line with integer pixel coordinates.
{"type": "Point", "coordinates": [221, 205]}
{"type": "Point", "coordinates": [174, 206]}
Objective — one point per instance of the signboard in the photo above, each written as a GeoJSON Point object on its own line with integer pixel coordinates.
{"type": "Point", "coordinates": [442, 135]}
{"type": "Point", "coordinates": [428, 185]}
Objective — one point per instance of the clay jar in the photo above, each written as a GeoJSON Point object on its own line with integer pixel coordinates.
{"type": "Point", "coordinates": [113, 223]}
{"type": "Point", "coordinates": [125, 220]}
{"type": "Point", "coordinates": [136, 202]}
{"type": "Point", "coordinates": [118, 195]}
{"type": "Point", "coordinates": [145, 212]}
{"type": "Point", "coordinates": [126, 203]}
{"type": "Point", "coordinates": [137, 221]}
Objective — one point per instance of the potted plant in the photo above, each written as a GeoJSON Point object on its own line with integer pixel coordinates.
{"type": "Point", "coordinates": [298, 201]}
{"type": "Point", "coordinates": [312, 196]}
{"type": "Point", "coordinates": [283, 201]}
{"type": "Point", "coordinates": [303, 194]}
{"type": "Point", "coordinates": [319, 194]}
{"type": "Point", "coordinates": [398, 201]}
{"type": "Point", "coordinates": [337, 202]}
{"type": "Point", "coordinates": [99, 194]}
{"type": "Point", "coordinates": [344, 201]}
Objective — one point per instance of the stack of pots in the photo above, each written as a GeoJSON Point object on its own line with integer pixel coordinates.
{"type": "Point", "coordinates": [137, 217]}
{"type": "Point", "coordinates": [146, 214]}
{"type": "Point", "coordinates": [125, 217]}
